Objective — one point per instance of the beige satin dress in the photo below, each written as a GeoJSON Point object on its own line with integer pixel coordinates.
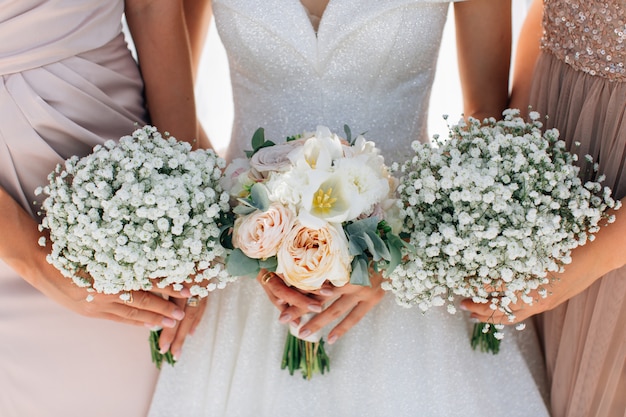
{"type": "Point", "coordinates": [67, 83]}
{"type": "Point", "coordinates": [580, 83]}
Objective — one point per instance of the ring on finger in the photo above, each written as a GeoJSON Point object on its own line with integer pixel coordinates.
{"type": "Point", "coordinates": [127, 297]}
{"type": "Point", "coordinates": [193, 301]}
{"type": "Point", "coordinates": [266, 278]}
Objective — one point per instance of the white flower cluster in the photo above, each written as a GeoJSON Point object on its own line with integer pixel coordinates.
{"type": "Point", "coordinates": [491, 212]}
{"type": "Point", "coordinates": [300, 194]}
{"type": "Point", "coordinates": [144, 210]}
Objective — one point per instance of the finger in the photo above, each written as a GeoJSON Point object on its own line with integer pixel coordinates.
{"type": "Point", "coordinates": [277, 290]}
{"type": "Point", "coordinates": [192, 315]}
{"type": "Point", "coordinates": [355, 315]}
{"type": "Point", "coordinates": [169, 334]}
{"type": "Point", "coordinates": [149, 309]}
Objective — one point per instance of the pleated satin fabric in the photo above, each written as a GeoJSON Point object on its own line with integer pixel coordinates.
{"type": "Point", "coordinates": [67, 83]}
{"type": "Point", "coordinates": [585, 338]}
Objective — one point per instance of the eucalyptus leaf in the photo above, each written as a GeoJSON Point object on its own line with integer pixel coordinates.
{"type": "Point", "coordinates": [245, 208]}
{"type": "Point", "coordinates": [260, 198]}
{"type": "Point", "coordinates": [238, 264]}
{"type": "Point", "coordinates": [270, 263]}
{"type": "Point", "coordinates": [377, 246]}
{"type": "Point", "coordinates": [360, 273]}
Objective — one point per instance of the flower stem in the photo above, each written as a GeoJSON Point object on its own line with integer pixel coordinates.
{"type": "Point", "coordinates": [309, 357]}
{"type": "Point", "coordinates": [484, 336]}
{"type": "Point", "coordinates": [157, 356]}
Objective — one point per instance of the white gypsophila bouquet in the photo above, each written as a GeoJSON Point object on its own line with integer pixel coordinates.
{"type": "Point", "coordinates": [314, 209]}
{"type": "Point", "coordinates": [490, 213]}
{"type": "Point", "coordinates": [144, 211]}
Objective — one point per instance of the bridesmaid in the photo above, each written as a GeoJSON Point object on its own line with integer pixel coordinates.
{"type": "Point", "coordinates": [62, 93]}
{"type": "Point", "coordinates": [579, 82]}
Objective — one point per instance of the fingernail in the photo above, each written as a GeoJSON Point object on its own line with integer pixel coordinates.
{"type": "Point", "coordinates": [284, 318]}
{"type": "Point", "coordinates": [315, 308]}
{"type": "Point", "coordinates": [462, 307]}
{"type": "Point", "coordinates": [176, 354]}
{"type": "Point", "coordinates": [304, 333]}
{"type": "Point", "coordinates": [178, 314]}
{"type": "Point", "coordinates": [332, 339]}
{"type": "Point", "coordinates": [280, 302]}
{"type": "Point", "coordinates": [326, 292]}
{"type": "Point", "coordinates": [168, 322]}
{"type": "Point", "coordinates": [164, 349]}
{"type": "Point", "coordinates": [185, 292]}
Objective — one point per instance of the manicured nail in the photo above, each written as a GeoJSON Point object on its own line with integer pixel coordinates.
{"type": "Point", "coordinates": [332, 339]}
{"type": "Point", "coordinates": [178, 314]}
{"type": "Point", "coordinates": [280, 302]}
{"type": "Point", "coordinates": [176, 354]}
{"type": "Point", "coordinates": [304, 333]}
{"type": "Point", "coordinates": [326, 292]}
{"type": "Point", "coordinates": [284, 318]}
{"type": "Point", "coordinates": [315, 308]}
{"type": "Point", "coordinates": [164, 349]}
{"type": "Point", "coordinates": [168, 322]}
{"type": "Point", "coordinates": [462, 307]}
{"type": "Point", "coordinates": [185, 293]}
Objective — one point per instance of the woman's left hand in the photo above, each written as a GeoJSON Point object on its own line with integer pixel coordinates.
{"type": "Point", "coordinates": [353, 301]}
{"type": "Point", "coordinates": [172, 339]}
{"type": "Point", "coordinates": [520, 310]}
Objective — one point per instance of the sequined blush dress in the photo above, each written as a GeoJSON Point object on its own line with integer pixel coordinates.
{"type": "Point", "coordinates": [580, 83]}
{"type": "Point", "coordinates": [67, 83]}
{"type": "Point", "coordinates": [370, 65]}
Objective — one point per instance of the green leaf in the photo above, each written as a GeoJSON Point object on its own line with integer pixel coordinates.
{"type": "Point", "coordinates": [259, 196]}
{"type": "Point", "coordinates": [270, 263]}
{"type": "Point", "coordinates": [346, 129]}
{"type": "Point", "coordinates": [238, 264]}
{"type": "Point", "coordinates": [258, 139]}
{"type": "Point", "coordinates": [360, 273]}
{"type": "Point", "coordinates": [376, 246]}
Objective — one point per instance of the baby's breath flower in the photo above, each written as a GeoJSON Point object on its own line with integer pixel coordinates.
{"type": "Point", "coordinates": [146, 207]}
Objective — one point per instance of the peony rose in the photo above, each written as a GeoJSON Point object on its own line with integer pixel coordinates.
{"type": "Point", "coordinates": [309, 257]}
{"type": "Point", "coordinates": [259, 234]}
{"type": "Point", "coordinates": [274, 158]}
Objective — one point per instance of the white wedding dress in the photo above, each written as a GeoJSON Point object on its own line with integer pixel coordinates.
{"type": "Point", "coordinates": [370, 65]}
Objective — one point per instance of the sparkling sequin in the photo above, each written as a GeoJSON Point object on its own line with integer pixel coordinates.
{"type": "Point", "coordinates": [371, 66]}
{"type": "Point", "coordinates": [588, 35]}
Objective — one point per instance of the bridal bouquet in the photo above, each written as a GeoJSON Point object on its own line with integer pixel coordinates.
{"type": "Point", "coordinates": [142, 212]}
{"type": "Point", "coordinates": [490, 213]}
{"type": "Point", "coordinates": [313, 209]}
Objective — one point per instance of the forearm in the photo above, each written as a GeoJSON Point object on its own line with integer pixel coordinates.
{"type": "Point", "coordinates": [483, 36]}
{"type": "Point", "coordinates": [159, 32]}
{"type": "Point", "coordinates": [198, 18]}
{"type": "Point", "coordinates": [528, 49]}
{"type": "Point", "coordinates": [591, 261]}
{"type": "Point", "coordinates": [22, 251]}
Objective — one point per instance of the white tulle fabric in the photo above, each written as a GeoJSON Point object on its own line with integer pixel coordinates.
{"type": "Point", "coordinates": [370, 65]}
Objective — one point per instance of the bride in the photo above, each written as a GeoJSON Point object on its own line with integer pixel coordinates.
{"type": "Point", "coordinates": [368, 64]}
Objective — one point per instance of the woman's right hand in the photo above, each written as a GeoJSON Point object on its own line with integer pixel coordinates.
{"type": "Point", "coordinates": [19, 249]}
{"type": "Point", "coordinates": [352, 302]}
{"type": "Point", "coordinates": [143, 308]}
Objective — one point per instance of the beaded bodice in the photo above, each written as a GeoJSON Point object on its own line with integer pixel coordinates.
{"type": "Point", "coordinates": [588, 35]}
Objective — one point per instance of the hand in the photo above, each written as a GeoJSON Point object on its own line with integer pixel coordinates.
{"type": "Point", "coordinates": [173, 338]}
{"type": "Point", "coordinates": [520, 310]}
{"type": "Point", "coordinates": [144, 308]}
{"type": "Point", "coordinates": [355, 300]}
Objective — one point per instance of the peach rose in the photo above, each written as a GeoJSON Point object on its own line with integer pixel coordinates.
{"type": "Point", "coordinates": [309, 257]}
{"type": "Point", "coordinates": [259, 234]}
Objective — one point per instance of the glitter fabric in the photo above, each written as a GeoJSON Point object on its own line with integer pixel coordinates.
{"type": "Point", "coordinates": [370, 65]}
{"type": "Point", "coordinates": [588, 35]}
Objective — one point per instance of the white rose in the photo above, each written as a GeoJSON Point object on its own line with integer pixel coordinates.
{"type": "Point", "coordinates": [309, 257]}
{"type": "Point", "coordinates": [259, 234]}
